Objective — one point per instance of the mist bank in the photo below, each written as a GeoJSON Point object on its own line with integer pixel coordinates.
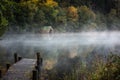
{"type": "Point", "coordinates": [68, 39]}
{"type": "Point", "coordinates": [56, 45]}
{"type": "Point", "coordinates": [83, 41]}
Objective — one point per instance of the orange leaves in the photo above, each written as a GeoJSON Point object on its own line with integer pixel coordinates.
{"type": "Point", "coordinates": [51, 3]}
{"type": "Point", "coordinates": [72, 13]}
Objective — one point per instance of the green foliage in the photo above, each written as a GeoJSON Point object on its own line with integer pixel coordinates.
{"type": "Point", "coordinates": [3, 20]}
{"type": "Point", "coordinates": [40, 17]}
{"type": "Point", "coordinates": [61, 17]}
{"type": "Point", "coordinates": [110, 70]}
{"type": "Point", "coordinates": [3, 24]}
{"type": "Point", "coordinates": [98, 69]}
{"type": "Point", "coordinates": [25, 12]}
{"type": "Point", "coordinates": [113, 21]}
{"type": "Point", "coordinates": [70, 15]}
{"type": "Point", "coordinates": [6, 14]}
{"type": "Point", "coordinates": [86, 15]}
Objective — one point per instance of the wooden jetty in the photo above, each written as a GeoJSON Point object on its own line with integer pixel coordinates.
{"type": "Point", "coordinates": [24, 69]}
{"type": "Point", "coordinates": [21, 70]}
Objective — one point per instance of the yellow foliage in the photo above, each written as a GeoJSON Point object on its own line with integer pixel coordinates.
{"type": "Point", "coordinates": [30, 1]}
{"type": "Point", "coordinates": [54, 14]}
{"type": "Point", "coordinates": [51, 3]}
{"type": "Point", "coordinates": [31, 5]}
{"type": "Point", "coordinates": [72, 13]}
{"type": "Point", "coordinates": [34, 0]}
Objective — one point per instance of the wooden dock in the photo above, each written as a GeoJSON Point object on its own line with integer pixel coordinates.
{"type": "Point", "coordinates": [24, 69]}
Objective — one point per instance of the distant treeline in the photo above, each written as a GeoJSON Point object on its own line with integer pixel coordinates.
{"type": "Point", "coordinates": [63, 15]}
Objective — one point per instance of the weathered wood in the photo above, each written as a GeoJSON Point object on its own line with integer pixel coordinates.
{"type": "Point", "coordinates": [35, 75]}
{"type": "Point", "coordinates": [39, 64]}
{"type": "Point", "coordinates": [21, 70]}
{"type": "Point", "coordinates": [38, 68]}
{"type": "Point", "coordinates": [15, 57]}
{"type": "Point", "coordinates": [38, 56]}
{"type": "Point", "coordinates": [7, 66]}
{"type": "Point", "coordinates": [19, 58]}
{"type": "Point", "coordinates": [39, 59]}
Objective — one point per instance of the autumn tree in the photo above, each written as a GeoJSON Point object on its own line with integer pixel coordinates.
{"type": "Point", "coordinates": [72, 13]}
{"type": "Point", "coordinates": [50, 10]}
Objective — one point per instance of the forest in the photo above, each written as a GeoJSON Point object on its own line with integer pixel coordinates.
{"type": "Point", "coordinates": [84, 44]}
{"type": "Point", "coordinates": [63, 15]}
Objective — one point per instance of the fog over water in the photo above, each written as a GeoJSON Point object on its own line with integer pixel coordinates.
{"type": "Point", "coordinates": [63, 39]}
{"type": "Point", "coordinates": [53, 45]}
{"type": "Point", "coordinates": [83, 41]}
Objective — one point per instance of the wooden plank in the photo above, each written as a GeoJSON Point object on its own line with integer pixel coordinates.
{"type": "Point", "coordinates": [22, 70]}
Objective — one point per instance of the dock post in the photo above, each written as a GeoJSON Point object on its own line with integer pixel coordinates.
{"type": "Point", "coordinates": [39, 59]}
{"type": "Point", "coordinates": [34, 75]}
{"type": "Point", "coordinates": [39, 64]}
{"type": "Point", "coordinates": [38, 56]}
{"type": "Point", "coordinates": [15, 57]}
{"type": "Point", "coordinates": [19, 58]}
{"type": "Point", "coordinates": [7, 66]}
{"type": "Point", "coordinates": [39, 70]}
{"type": "Point", "coordinates": [0, 74]}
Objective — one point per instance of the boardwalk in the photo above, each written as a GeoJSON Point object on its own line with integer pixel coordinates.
{"type": "Point", "coordinates": [22, 70]}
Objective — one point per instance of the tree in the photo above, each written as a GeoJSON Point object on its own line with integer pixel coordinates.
{"type": "Point", "coordinates": [113, 21]}
{"type": "Point", "coordinates": [61, 17]}
{"type": "Point", "coordinates": [3, 24]}
{"type": "Point", "coordinates": [51, 3]}
{"type": "Point", "coordinates": [116, 6]}
{"type": "Point", "coordinates": [17, 1]}
{"type": "Point", "coordinates": [40, 17]}
{"type": "Point", "coordinates": [25, 11]}
{"type": "Point", "coordinates": [50, 11]}
{"type": "Point", "coordinates": [72, 13]}
{"type": "Point", "coordinates": [86, 15]}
